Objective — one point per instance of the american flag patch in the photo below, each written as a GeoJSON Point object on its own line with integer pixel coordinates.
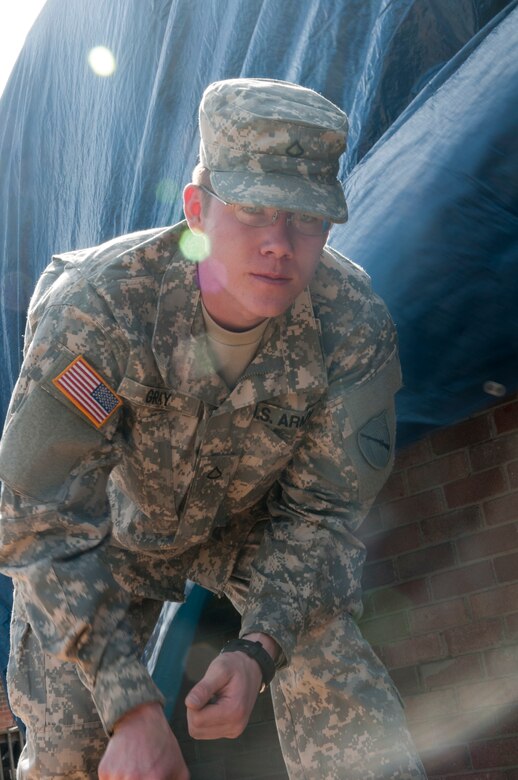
{"type": "Point", "coordinates": [88, 391]}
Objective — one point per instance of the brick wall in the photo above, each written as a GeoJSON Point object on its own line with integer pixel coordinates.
{"type": "Point", "coordinates": [6, 719]}
{"type": "Point", "coordinates": [442, 593]}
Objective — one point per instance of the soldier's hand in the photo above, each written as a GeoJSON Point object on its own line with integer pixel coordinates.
{"type": "Point", "coordinates": [143, 746]}
{"type": "Point", "coordinates": [221, 703]}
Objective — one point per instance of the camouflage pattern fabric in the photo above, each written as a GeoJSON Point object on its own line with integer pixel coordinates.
{"type": "Point", "coordinates": [102, 505]}
{"type": "Point", "coordinates": [336, 708]}
{"type": "Point", "coordinates": [337, 712]}
{"type": "Point", "coordinates": [273, 143]}
{"type": "Point", "coordinates": [65, 736]}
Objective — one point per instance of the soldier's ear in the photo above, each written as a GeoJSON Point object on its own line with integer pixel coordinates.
{"type": "Point", "coordinates": [192, 206]}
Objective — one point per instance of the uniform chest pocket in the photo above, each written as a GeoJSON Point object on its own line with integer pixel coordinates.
{"type": "Point", "coordinates": [160, 431]}
{"type": "Point", "coordinates": [272, 438]}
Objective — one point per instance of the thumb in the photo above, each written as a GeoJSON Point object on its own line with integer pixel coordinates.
{"type": "Point", "coordinates": [206, 688]}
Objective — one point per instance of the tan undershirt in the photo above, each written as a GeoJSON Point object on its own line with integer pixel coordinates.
{"type": "Point", "coordinates": [231, 351]}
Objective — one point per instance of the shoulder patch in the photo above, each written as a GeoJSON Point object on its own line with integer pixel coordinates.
{"type": "Point", "coordinates": [375, 441]}
{"type": "Point", "coordinates": [86, 389]}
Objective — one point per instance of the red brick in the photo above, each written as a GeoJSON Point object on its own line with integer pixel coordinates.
{"type": "Point", "coordinates": [497, 722]}
{"type": "Point", "coordinates": [494, 452]}
{"type": "Point", "coordinates": [412, 651]}
{"type": "Point", "coordinates": [408, 510]}
{"type": "Point", "coordinates": [438, 472]}
{"type": "Point", "coordinates": [512, 470]}
{"type": "Point", "coordinates": [438, 734]}
{"type": "Point", "coordinates": [434, 735]}
{"type": "Point", "coordinates": [371, 525]}
{"type": "Point", "coordinates": [6, 720]}
{"type": "Point", "coordinates": [506, 417]}
{"type": "Point", "coordinates": [488, 543]}
{"type": "Point", "coordinates": [430, 705]}
{"type": "Point", "coordinates": [442, 760]}
{"type": "Point", "coordinates": [394, 488]}
{"type": "Point", "coordinates": [450, 525]}
{"type": "Point", "coordinates": [375, 575]}
{"type": "Point", "coordinates": [407, 680]}
{"type": "Point", "coordinates": [417, 453]}
{"type": "Point", "coordinates": [501, 693]}
{"type": "Point", "coordinates": [502, 661]}
{"type": "Point", "coordinates": [452, 671]}
{"type": "Point", "coordinates": [502, 509]}
{"type": "Point", "coordinates": [369, 610]}
{"type": "Point", "coordinates": [462, 580]}
{"type": "Point", "coordinates": [436, 617]}
{"type": "Point", "coordinates": [402, 596]}
{"type": "Point", "coordinates": [381, 630]}
{"type": "Point", "coordinates": [475, 636]}
{"type": "Point", "coordinates": [464, 434]}
{"type": "Point", "coordinates": [393, 542]}
{"type": "Point", "coordinates": [424, 561]}
{"type": "Point", "coordinates": [506, 567]}
{"type": "Point", "coordinates": [475, 488]}
{"type": "Point", "coordinates": [495, 753]}
{"type": "Point", "coordinates": [497, 601]}
{"type": "Point", "coordinates": [511, 624]}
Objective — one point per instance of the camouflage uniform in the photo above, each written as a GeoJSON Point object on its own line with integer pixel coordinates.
{"type": "Point", "coordinates": [113, 495]}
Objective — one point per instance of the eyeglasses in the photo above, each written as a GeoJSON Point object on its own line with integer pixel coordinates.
{"type": "Point", "coordinates": [262, 216]}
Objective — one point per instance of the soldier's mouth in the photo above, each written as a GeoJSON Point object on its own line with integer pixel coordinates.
{"type": "Point", "coordinates": [271, 278]}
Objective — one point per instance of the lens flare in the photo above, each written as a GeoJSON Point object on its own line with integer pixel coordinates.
{"type": "Point", "coordinates": [167, 191]}
{"type": "Point", "coordinates": [102, 61]}
{"type": "Point", "coordinates": [195, 246]}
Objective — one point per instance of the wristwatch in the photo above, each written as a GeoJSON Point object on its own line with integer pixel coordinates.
{"type": "Point", "coordinates": [256, 651]}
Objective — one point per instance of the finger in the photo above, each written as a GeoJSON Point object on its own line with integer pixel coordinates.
{"type": "Point", "coordinates": [215, 678]}
{"type": "Point", "coordinates": [214, 722]}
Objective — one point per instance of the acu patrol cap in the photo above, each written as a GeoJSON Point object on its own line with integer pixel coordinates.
{"type": "Point", "coordinates": [273, 143]}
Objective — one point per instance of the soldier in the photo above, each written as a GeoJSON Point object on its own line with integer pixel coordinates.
{"type": "Point", "coordinates": [227, 420]}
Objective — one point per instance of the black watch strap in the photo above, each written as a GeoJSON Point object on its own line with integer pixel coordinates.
{"type": "Point", "coordinates": [256, 651]}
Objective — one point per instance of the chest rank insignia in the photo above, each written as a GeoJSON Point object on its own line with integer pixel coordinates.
{"type": "Point", "coordinates": [88, 391]}
{"type": "Point", "coordinates": [375, 441]}
{"type": "Point", "coordinates": [295, 150]}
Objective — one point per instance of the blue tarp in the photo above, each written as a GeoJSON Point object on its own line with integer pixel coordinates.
{"type": "Point", "coordinates": [435, 221]}
{"type": "Point", "coordinates": [430, 89]}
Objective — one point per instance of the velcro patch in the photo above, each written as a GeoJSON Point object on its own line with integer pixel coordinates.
{"type": "Point", "coordinates": [83, 386]}
{"type": "Point", "coordinates": [375, 441]}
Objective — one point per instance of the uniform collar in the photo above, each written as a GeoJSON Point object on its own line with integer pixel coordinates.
{"type": "Point", "coordinates": [289, 359]}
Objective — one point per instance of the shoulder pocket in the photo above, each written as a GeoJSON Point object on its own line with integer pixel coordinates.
{"type": "Point", "coordinates": [365, 415]}
{"type": "Point", "coordinates": [41, 445]}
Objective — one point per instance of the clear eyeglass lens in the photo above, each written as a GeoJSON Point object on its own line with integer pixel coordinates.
{"type": "Point", "coordinates": [261, 216]}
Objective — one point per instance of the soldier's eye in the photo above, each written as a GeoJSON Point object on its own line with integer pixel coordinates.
{"type": "Point", "coordinates": [307, 219]}
{"type": "Point", "coordinates": [252, 211]}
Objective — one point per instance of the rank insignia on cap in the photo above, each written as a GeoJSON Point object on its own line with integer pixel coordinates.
{"type": "Point", "coordinates": [375, 441]}
{"type": "Point", "coordinates": [83, 386]}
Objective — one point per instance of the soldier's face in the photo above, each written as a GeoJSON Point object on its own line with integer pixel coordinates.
{"type": "Point", "coordinates": [251, 273]}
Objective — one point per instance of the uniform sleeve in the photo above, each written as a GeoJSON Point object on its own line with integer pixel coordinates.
{"type": "Point", "coordinates": [55, 460]}
{"type": "Point", "coordinates": [309, 565]}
